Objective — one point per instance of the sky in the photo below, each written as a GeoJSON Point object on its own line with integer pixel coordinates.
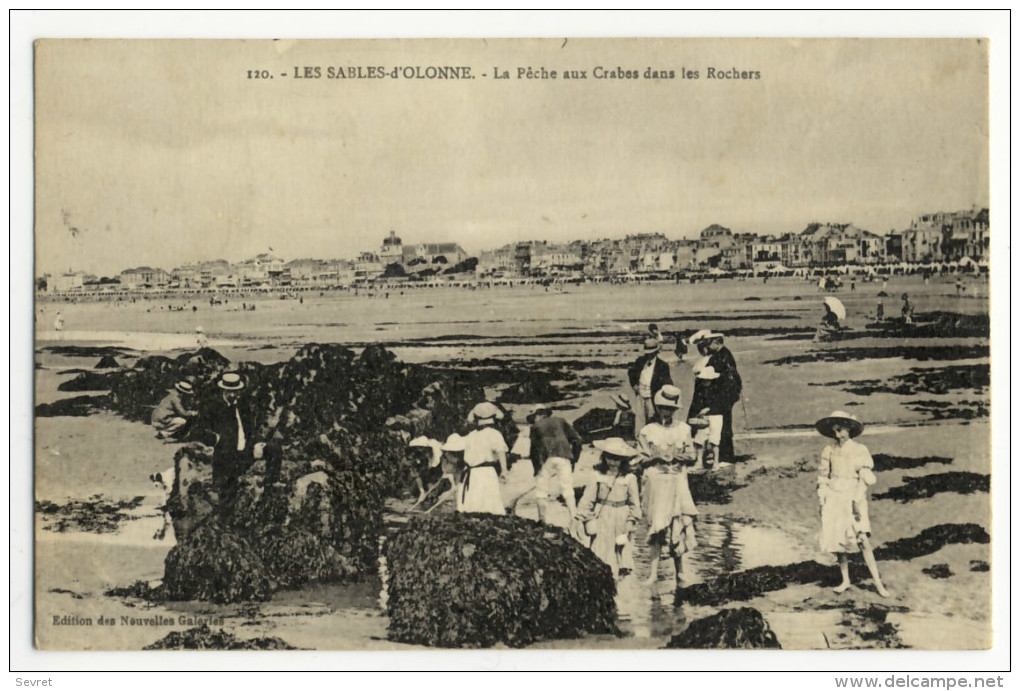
{"type": "Point", "coordinates": [160, 153]}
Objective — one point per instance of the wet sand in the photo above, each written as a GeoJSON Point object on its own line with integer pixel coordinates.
{"type": "Point", "coordinates": [770, 518]}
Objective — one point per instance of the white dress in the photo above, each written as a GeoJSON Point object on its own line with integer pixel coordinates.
{"type": "Point", "coordinates": [843, 496]}
{"type": "Point", "coordinates": [480, 485]}
{"type": "Point", "coordinates": [666, 494]}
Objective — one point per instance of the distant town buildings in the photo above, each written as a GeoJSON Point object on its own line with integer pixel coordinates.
{"type": "Point", "coordinates": [931, 238]}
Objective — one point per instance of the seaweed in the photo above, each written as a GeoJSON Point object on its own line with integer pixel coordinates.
{"type": "Point", "coordinates": [74, 406]}
{"type": "Point", "coordinates": [937, 571]}
{"type": "Point", "coordinates": [476, 580]}
{"type": "Point", "coordinates": [204, 638]}
{"type": "Point", "coordinates": [926, 486]}
{"type": "Point", "coordinates": [92, 515]}
{"type": "Point", "coordinates": [920, 353]}
{"type": "Point", "coordinates": [884, 461]}
{"type": "Point", "coordinates": [740, 627]}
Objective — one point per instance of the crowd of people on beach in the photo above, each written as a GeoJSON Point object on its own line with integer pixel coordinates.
{"type": "Point", "coordinates": [645, 459]}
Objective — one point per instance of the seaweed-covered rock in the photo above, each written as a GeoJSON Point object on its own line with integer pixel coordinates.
{"type": "Point", "coordinates": [475, 580]}
{"type": "Point", "coordinates": [742, 627]}
{"type": "Point", "coordinates": [107, 362]}
{"type": "Point", "coordinates": [87, 380]}
{"type": "Point", "coordinates": [536, 388]}
{"type": "Point", "coordinates": [217, 565]}
{"type": "Point", "coordinates": [204, 638]}
{"type": "Point", "coordinates": [597, 423]}
{"type": "Point", "coordinates": [75, 406]}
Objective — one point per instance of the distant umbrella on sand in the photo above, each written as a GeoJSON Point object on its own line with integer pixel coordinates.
{"type": "Point", "coordinates": [836, 306]}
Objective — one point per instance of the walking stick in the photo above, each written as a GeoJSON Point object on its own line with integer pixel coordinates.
{"type": "Point", "coordinates": [744, 408]}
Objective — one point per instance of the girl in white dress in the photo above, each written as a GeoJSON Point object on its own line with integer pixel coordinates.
{"type": "Point", "coordinates": [611, 506]}
{"type": "Point", "coordinates": [844, 476]}
{"type": "Point", "coordinates": [668, 450]}
{"type": "Point", "coordinates": [485, 460]}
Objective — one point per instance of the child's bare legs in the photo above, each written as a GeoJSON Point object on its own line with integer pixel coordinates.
{"type": "Point", "coordinates": [844, 570]}
{"type": "Point", "coordinates": [678, 565]}
{"type": "Point", "coordinates": [690, 539]}
{"type": "Point", "coordinates": [869, 559]}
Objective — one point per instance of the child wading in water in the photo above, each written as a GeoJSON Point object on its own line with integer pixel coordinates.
{"type": "Point", "coordinates": [844, 476]}
{"type": "Point", "coordinates": [611, 507]}
{"type": "Point", "coordinates": [669, 507]}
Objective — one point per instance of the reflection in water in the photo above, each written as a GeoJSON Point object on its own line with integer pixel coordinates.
{"type": "Point", "coordinates": [723, 546]}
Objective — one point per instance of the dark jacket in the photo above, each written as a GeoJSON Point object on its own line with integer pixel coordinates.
{"type": "Point", "coordinates": [228, 462]}
{"type": "Point", "coordinates": [660, 377]}
{"type": "Point", "coordinates": [553, 436]}
{"type": "Point", "coordinates": [724, 392]}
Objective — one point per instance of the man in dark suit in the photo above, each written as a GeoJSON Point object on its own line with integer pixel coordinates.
{"type": "Point", "coordinates": [234, 426]}
{"type": "Point", "coordinates": [647, 375]}
{"type": "Point", "coordinates": [726, 391]}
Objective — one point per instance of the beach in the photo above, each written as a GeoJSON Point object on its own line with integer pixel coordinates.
{"type": "Point", "coordinates": [924, 399]}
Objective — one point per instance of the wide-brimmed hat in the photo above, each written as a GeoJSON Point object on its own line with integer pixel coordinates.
{"type": "Point", "coordinates": [652, 345]}
{"type": "Point", "coordinates": [198, 329]}
{"type": "Point", "coordinates": [616, 446]}
{"type": "Point", "coordinates": [824, 426]}
{"type": "Point", "coordinates": [184, 387]}
{"type": "Point", "coordinates": [621, 401]}
{"type": "Point", "coordinates": [485, 413]}
{"type": "Point", "coordinates": [707, 372]}
{"type": "Point", "coordinates": [454, 442]}
{"type": "Point", "coordinates": [698, 335]}
{"type": "Point", "coordinates": [231, 381]}
{"type": "Point", "coordinates": [426, 443]}
{"type": "Point", "coordinates": [537, 410]}
{"type": "Point", "coordinates": [712, 335]}
{"type": "Point", "coordinates": [667, 397]}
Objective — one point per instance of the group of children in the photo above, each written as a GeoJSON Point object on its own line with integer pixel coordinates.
{"type": "Point", "coordinates": [648, 480]}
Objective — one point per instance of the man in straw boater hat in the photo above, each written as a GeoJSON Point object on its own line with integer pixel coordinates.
{"type": "Point", "coordinates": [647, 375]}
{"type": "Point", "coordinates": [554, 449]}
{"type": "Point", "coordinates": [233, 423]}
{"type": "Point", "coordinates": [171, 415]}
{"type": "Point", "coordinates": [844, 475]}
{"type": "Point", "coordinates": [726, 391]}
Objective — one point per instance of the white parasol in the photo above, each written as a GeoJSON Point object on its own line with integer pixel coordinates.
{"type": "Point", "coordinates": [836, 306]}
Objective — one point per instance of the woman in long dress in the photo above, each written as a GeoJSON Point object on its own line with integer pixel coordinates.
{"type": "Point", "coordinates": [611, 506]}
{"type": "Point", "coordinates": [844, 475]}
{"type": "Point", "coordinates": [668, 450]}
{"type": "Point", "coordinates": [485, 463]}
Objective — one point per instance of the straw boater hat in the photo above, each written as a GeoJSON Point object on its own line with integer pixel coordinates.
{"type": "Point", "coordinates": [454, 442]}
{"type": "Point", "coordinates": [652, 345]}
{"type": "Point", "coordinates": [184, 387]}
{"type": "Point", "coordinates": [540, 408]}
{"type": "Point", "coordinates": [620, 401]}
{"type": "Point", "coordinates": [231, 381]}
{"type": "Point", "coordinates": [667, 397]}
{"type": "Point", "coordinates": [707, 372]}
{"type": "Point", "coordinates": [485, 413]}
{"type": "Point", "coordinates": [615, 446]}
{"type": "Point", "coordinates": [825, 424]}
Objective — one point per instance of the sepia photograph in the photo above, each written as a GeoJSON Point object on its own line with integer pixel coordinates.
{"type": "Point", "coordinates": [544, 344]}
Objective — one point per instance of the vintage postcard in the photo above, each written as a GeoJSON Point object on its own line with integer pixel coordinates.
{"type": "Point", "coordinates": [513, 343]}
